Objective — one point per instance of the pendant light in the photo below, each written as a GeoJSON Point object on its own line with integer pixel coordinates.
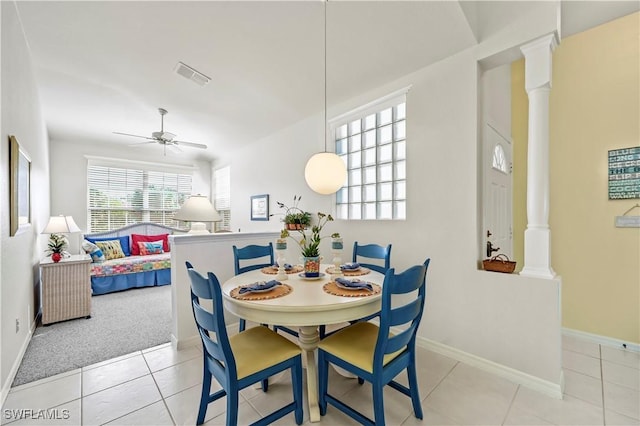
{"type": "Point", "coordinates": [325, 172]}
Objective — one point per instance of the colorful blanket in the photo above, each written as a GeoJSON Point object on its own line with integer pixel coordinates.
{"type": "Point", "coordinates": [131, 265]}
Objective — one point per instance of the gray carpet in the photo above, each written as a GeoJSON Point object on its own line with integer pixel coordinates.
{"type": "Point", "coordinates": [120, 323]}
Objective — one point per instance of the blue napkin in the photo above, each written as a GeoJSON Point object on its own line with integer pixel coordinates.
{"type": "Point", "coordinates": [349, 266]}
{"type": "Point", "coordinates": [259, 287]}
{"type": "Point", "coordinates": [355, 284]}
{"type": "Point", "coordinates": [287, 266]}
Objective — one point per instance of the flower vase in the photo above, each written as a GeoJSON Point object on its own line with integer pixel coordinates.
{"type": "Point", "coordinates": [311, 266]}
{"type": "Point", "coordinates": [56, 257]}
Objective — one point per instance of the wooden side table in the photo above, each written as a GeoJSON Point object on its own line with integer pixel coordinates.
{"type": "Point", "coordinates": [66, 288]}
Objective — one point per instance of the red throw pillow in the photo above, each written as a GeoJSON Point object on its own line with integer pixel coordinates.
{"type": "Point", "coordinates": [137, 238]}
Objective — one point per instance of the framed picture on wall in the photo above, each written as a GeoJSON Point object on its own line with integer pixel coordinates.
{"type": "Point", "coordinates": [260, 207]}
{"type": "Point", "coordinates": [19, 184]}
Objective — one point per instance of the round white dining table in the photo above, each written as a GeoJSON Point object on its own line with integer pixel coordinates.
{"type": "Point", "coordinates": [306, 307]}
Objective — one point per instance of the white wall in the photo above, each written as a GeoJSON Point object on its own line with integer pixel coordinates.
{"type": "Point", "coordinates": [21, 117]}
{"type": "Point", "coordinates": [507, 320]}
{"type": "Point", "coordinates": [69, 173]}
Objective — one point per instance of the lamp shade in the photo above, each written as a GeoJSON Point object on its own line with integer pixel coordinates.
{"type": "Point", "coordinates": [197, 208]}
{"type": "Point", "coordinates": [325, 173]}
{"type": "Point", "coordinates": [61, 225]}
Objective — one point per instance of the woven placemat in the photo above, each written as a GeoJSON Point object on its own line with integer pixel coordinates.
{"type": "Point", "coordinates": [332, 288]}
{"type": "Point", "coordinates": [272, 270]}
{"type": "Point", "coordinates": [358, 272]}
{"type": "Point", "coordinates": [278, 291]}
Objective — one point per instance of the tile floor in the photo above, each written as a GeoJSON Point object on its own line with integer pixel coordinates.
{"type": "Point", "coordinates": [160, 386]}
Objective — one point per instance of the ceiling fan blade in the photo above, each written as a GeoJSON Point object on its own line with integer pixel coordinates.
{"type": "Point", "coordinates": [135, 136]}
{"type": "Point", "coordinates": [191, 144]}
{"type": "Point", "coordinates": [142, 143]}
{"type": "Point", "coordinates": [175, 148]}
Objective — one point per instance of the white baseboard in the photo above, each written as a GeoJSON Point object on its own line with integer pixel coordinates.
{"type": "Point", "coordinates": [602, 340]}
{"type": "Point", "coordinates": [184, 343]}
{"type": "Point", "coordinates": [554, 390]}
{"type": "Point", "coordinates": [6, 386]}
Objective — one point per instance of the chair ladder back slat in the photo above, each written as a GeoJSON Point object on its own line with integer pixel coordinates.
{"type": "Point", "coordinates": [373, 251]}
{"type": "Point", "coordinates": [251, 252]}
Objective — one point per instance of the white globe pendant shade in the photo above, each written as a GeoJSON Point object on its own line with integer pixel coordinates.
{"type": "Point", "coordinates": [325, 173]}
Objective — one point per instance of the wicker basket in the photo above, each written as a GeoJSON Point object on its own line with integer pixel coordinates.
{"type": "Point", "coordinates": [499, 263]}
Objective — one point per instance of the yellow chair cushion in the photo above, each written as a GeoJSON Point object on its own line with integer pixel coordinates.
{"type": "Point", "coordinates": [258, 348]}
{"type": "Point", "coordinates": [356, 344]}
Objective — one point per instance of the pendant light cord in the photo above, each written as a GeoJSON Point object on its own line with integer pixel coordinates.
{"type": "Point", "coordinates": [324, 122]}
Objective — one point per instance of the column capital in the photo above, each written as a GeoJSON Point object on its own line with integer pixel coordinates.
{"type": "Point", "coordinates": [538, 64]}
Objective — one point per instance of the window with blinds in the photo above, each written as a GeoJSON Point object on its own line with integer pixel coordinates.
{"type": "Point", "coordinates": [222, 200]}
{"type": "Point", "coordinates": [123, 196]}
{"type": "Point", "coordinates": [371, 140]}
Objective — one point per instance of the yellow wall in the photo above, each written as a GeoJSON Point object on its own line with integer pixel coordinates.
{"type": "Point", "coordinates": [594, 108]}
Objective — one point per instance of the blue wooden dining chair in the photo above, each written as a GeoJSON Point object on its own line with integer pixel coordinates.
{"type": "Point", "coordinates": [241, 360]}
{"type": "Point", "coordinates": [251, 252]}
{"type": "Point", "coordinates": [374, 353]}
{"type": "Point", "coordinates": [373, 251]}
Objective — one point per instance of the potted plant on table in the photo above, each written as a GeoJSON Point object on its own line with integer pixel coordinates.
{"type": "Point", "coordinates": [310, 246]}
{"type": "Point", "coordinates": [56, 247]}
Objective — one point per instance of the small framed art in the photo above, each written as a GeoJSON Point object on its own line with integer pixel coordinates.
{"type": "Point", "coordinates": [260, 207]}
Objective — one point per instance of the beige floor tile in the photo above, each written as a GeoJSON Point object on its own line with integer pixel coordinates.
{"type": "Point", "coordinates": [431, 417]}
{"type": "Point", "coordinates": [468, 406]}
{"type": "Point", "coordinates": [65, 414]}
{"type": "Point", "coordinates": [584, 387]}
{"type": "Point", "coordinates": [584, 347]}
{"type": "Point", "coordinates": [622, 400]}
{"type": "Point", "coordinates": [45, 380]}
{"type": "Point", "coordinates": [184, 405]}
{"type": "Point", "coordinates": [155, 414]}
{"type": "Point", "coordinates": [179, 377]}
{"type": "Point", "coordinates": [167, 356]}
{"type": "Point", "coordinates": [519, 417]}
{"type": "Point", "coordinates": [566, 411]}
{"type": "Point", "coordinates": [581, 363]}
{"type": "Point", "coordinates": [49, 394]}
{"type": "Point", "coordinates": [621, 375]}
{"type": "Point", "coordinates": [621, 356]}
{"type": "Point", "coordinates": [117, 401]}
{"type": "Point", "coordinates": [110, 361]}
{"type": "Point", "coordinates": [112, 374]}
{"type": "Point", "coordinates": [613, 418]}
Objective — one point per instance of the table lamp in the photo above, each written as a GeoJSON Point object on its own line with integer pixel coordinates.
{"type": "Point", "coordinates": [60, 225]}
{"type": "Point", "coordinates": [197, 210]}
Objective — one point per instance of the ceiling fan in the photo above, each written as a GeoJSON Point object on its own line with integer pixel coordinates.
{"type": "Point", "coordinates": [164, 138]}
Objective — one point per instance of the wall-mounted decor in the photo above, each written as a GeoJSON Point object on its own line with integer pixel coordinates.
{"type": "Point", "coordinates": [19, 182]}
{"type": "Point", "coordinates": [260, 207]}
{"type": "Point", "coordinates": [624, 173]}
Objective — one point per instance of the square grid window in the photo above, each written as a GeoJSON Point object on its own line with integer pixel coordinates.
{"type": "Point", "coordinates": [373, 146]}
{"type": "Point", "coordinates": [122, 196]}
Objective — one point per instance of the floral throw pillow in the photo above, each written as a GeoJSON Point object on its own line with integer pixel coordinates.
{"type": "Point", "coordinates": [111, 249]}
{"type": "Point", "coordinates": [150, 247]}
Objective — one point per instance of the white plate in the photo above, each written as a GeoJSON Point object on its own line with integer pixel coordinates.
{"type": "Point", "coordinates": [344, 287]}
{"type": "Point", "coordinates": [304, 277]}
{"type": "Point", "coordinates": [262, 290]}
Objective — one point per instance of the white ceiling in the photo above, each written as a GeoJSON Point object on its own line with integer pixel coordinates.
{"type": "Point", "coordinates": [108, 66]}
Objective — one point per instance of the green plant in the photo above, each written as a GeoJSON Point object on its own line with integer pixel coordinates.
{"type": "Point", "coordinates": [335, 235]}
{"type": "Point", "coordinates": [284, 233]}
{"type": "Point", "coordinates": [310, 244]}
{"type": "Point", "coordinates": [57, 244]}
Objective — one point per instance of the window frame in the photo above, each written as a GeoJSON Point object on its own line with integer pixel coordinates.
{"type": "Point", "coordinates": [183, 176]}
{"type": "Point", "coordinates": [359, 206]}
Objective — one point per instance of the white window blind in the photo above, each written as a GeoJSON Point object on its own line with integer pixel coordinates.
{"type": "Point", "coordinates": [371, 141]}
{"type": "Point", "coordinates": [222, 200]}
{"type": "Point", "coordinates": [122, 196]}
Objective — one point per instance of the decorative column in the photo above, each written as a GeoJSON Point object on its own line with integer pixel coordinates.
{"type": "Point", "coordinates": [537, 237]}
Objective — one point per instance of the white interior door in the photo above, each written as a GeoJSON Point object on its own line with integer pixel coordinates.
{"type": "Point", "coordinates": [497, 165]}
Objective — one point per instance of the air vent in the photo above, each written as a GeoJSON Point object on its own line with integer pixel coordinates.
{"type": "Point", "coordinates": [189, 73]}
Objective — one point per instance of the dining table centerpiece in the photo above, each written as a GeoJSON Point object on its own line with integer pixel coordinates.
{"type": "Point", "coordinates": [310, 245]}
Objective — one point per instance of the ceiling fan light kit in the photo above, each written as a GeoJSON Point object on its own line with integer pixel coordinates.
{"type": "Point", "coordinates": [164, 138]}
